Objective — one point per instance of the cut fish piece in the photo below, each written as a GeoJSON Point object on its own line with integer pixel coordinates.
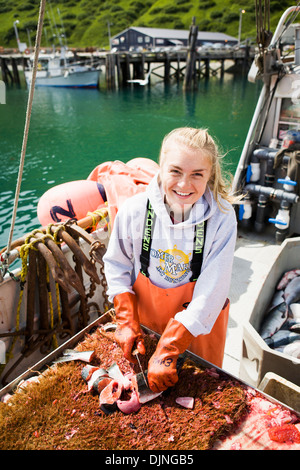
{"type": "Point", "coordinates": [100, 383]}
{"type": "Point", "coordinates": [130, 406]}
{"type": "Point", "coordinates": [186, 402]}
{"type": "Point", "coordinates": [115, 373]}
{"type": "Point", "coordinates": [111, 393]}
{"type": "Point", "coordinates": [95, 376]}
{"type": "Point", "coordinates": [73, 355]}
{"type": "Point", "coordinates": [87, 372]}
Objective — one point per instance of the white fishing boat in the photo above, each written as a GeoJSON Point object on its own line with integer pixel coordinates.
{"type": "Point", "coordinates": [269, 215]}
{"type": "Point", "coordinates": [58, 70]}
{"type": "Point", "coordinates": [60, 289]}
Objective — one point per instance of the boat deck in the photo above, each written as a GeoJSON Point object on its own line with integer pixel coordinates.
{"type": "Point", "coordinates": [254, 255]}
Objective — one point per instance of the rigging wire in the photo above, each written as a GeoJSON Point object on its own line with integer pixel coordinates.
{"type": "Point", "coordinates": [291, 20]}
{"type": "Point", "coordinates": [27, 119]}
{"type": "Point", "coordinates": [263, 33]}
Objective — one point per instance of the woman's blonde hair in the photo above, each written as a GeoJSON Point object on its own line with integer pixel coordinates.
{"type": "Point", "coordinates": [200, 139]}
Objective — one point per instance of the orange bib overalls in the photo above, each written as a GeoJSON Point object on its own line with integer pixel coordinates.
{"type": "Point", "coordinates": [157, 305]}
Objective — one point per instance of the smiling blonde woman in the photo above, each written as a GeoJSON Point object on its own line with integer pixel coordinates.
{"type": "Point", "coordinates": [169, 260]}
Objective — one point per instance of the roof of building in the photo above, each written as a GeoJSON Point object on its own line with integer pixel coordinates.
{"type": "Point", "coordinates": [179, 34]}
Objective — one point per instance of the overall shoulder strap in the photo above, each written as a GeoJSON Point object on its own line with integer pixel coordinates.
{"type": "Point", "coordinates": [199, 238]}
{"type": "Point", "coordinates": [147, 239]}
{"type": "Point", "coordinates": [197, 259]}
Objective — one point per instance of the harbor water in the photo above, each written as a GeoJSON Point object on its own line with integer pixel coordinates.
{"type": "Point", "coordinates": [74, 130]}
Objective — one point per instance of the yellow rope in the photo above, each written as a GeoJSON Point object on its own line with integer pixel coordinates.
{"type": "Point", "coordinates": [54, 237]}
{"type": "Point", "coordinates": [24, 251]}
{"type": "Point", "coordinates": [58, 302]}
{"type": "Point", "coordinates": [54, 339]}
{"type": "Point", "coordinates": [44, 236]}
{"type": "Point", "coordinates": [102, 213]}
{"type": "Point", "coordinates": [56, 231]}
{"type": "Point", "coordinates": [94, 220]}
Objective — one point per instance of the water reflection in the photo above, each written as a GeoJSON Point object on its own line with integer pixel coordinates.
{"type": "Point", "coordinates": [72, 131]}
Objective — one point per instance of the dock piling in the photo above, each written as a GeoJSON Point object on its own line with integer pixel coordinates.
{"type": "Point", "coordinates": [6, 74]}
{"type": "Point", "coordinates": [190, 79]}
{"type": "Point", "coordinates": [110, 71]}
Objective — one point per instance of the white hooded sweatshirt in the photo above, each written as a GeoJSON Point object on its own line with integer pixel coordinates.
{"type": "Point", "coordinates": [171, 253]}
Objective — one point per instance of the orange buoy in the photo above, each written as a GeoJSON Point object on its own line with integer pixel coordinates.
{"type": "Point", "coordinates": [123, 180]}
{"type": "Point", "coordinates": [109, 184]}
{"type": "Point", "coordinates": [144, 164]}
{"type": "Point", "coordinates": [72, 200]}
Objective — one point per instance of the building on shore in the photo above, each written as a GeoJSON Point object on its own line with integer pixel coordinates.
{"type": "Point", "coordinates": [135, 38]}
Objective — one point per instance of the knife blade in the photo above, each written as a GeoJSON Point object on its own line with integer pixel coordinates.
{"type": "Point", "coordinates": [136, 354]}
{"type": "Point", "coordinates": [144, 392]}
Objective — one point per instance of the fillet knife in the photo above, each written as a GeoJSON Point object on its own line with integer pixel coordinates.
{"type": "Point", "coordinates": [145, 393]}
{"type": "Point", "coordinates": [136, 354]}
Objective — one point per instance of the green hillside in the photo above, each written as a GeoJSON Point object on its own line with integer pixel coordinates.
{"type": "Point", "coordinates": [85, 22]}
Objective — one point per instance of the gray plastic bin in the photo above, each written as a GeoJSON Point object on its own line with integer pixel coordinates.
{"type": "Point", "coordinates": [257, 358]}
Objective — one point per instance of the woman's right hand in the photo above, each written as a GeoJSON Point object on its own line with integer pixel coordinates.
{"type": "Point", "coordinates": [128, 334]}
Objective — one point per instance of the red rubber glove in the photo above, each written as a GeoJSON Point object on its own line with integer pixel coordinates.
{"type": "Point", "coordinates": [128, 333]}
{"type": "Point", "coordinates": [162, 372]}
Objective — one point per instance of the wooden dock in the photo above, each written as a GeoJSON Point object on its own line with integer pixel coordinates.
{"type": "Point", "coordinates": [123, 66]}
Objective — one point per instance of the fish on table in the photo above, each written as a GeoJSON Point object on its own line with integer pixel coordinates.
{"type": "Point", "coordinates": [287, 277]}
{"type": "Point", "coordinates": [74, 355]}
{"type": "Point", "coordinates": [291, 325]}
{"type": "Point", "coordinates": [274, 320]}
{"type": "Point", "coordinates": [292, 292]}
{"type": "Point", "coordinates": [282, 338]}
{"type": "Point", "coordinates": [280, 327]}
{"type": "Point", "coordinates": [111, 383]}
